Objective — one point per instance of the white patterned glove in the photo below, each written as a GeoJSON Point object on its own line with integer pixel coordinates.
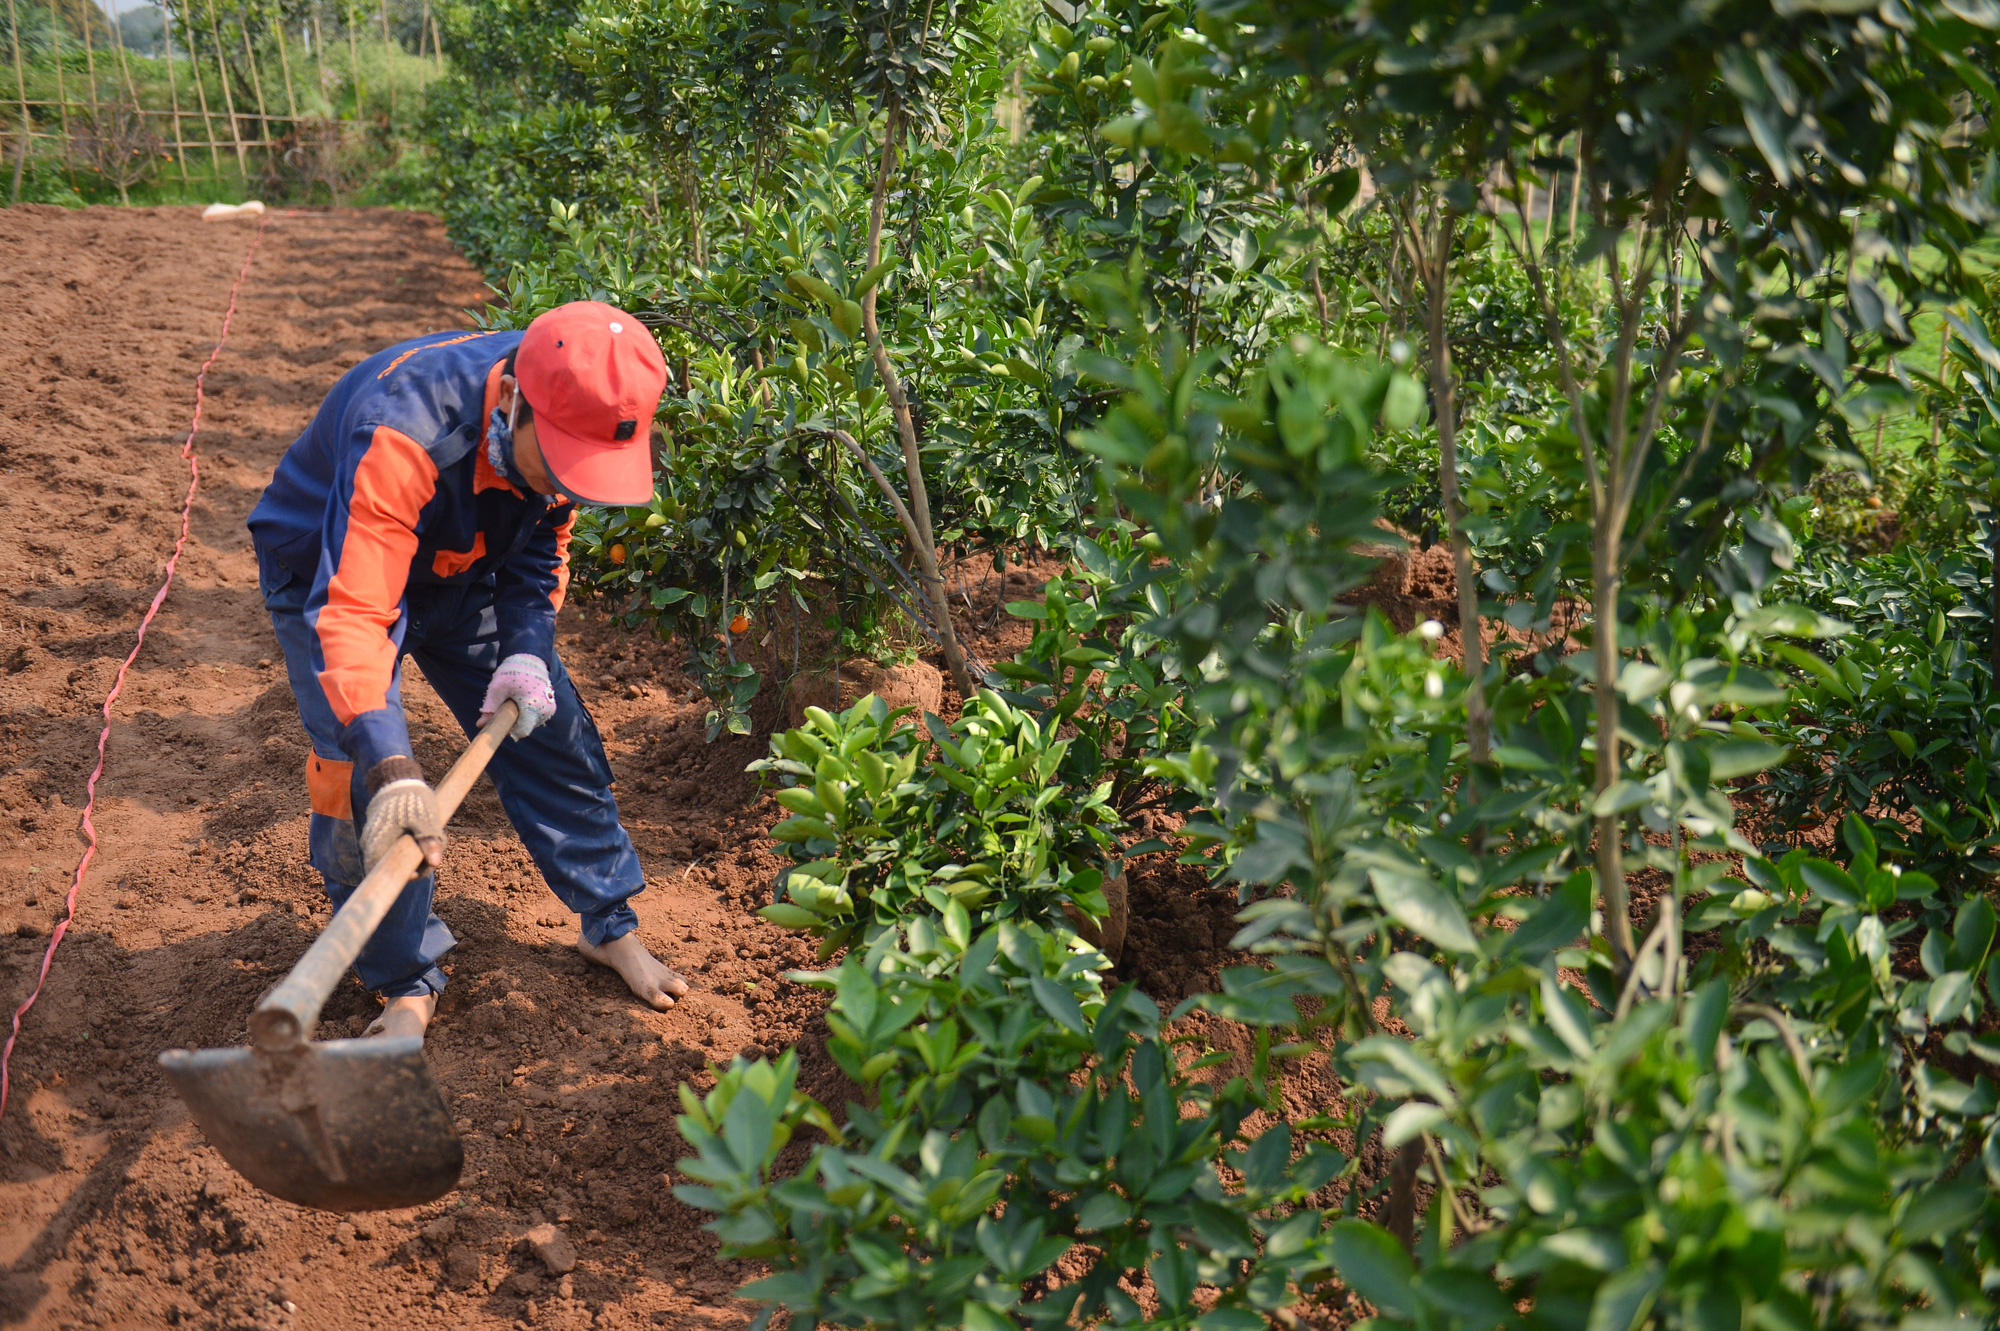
{"type": "Point", "coordinates": [525, 679]}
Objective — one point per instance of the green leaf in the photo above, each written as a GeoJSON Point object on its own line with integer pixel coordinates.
{"type": "Point", "coordinates": [977, 1316]}
{"type": "Point", "coordinates": [1710, 913]}
{"type": "Point", "coordinates": [1566, 1017]}
{"type": "Point", "coordinates": [1102, 1210]}
{"type": "Point", "coordinates": [1404, 403]}
{"type": "Point", "coordinates": [1914, 886]}
{"type": "Point", "coordinates": [1742, 757]}
{"type": "Point", "coordinates": [1623, 1300]}
{"type": "Point", "coordinates": [1769, 137]}
{"type": "Point", "coordinates": [1059, 1003]}
{"type": "Point", "coordinates": [1372, 1263]}
{"type": "Point", "coordinates": [1815, 666]}
{"type": "Point", "coordinates": [747, 1130]}
{"type": "Point", "coordinates": [1973, 338]}
{"type": "Point", "coordinates": [1465, 1293]}
{"type": "Point", "coordinates": [1598, 1249]}
{"type": "Point", "coordinates": [1397, 1068]}
{"type": "Point", "coordinates": [1703, 1018]}
{"type": "Point", "coordinates": [1620, 796]}
{"type": "Point", "coordinates": [876, 274]}
{"type": "Point", "coordinates": [1420, 905]}
{"type": "Point", "coordinates": [807, 284]}
{"type": "Point", "coordinates": [1243, 250]}
{"type": "Point", "coordinates": [801, 800]}
{"type": "Point", "coordinates": [790, 916]}
{"type": "Point", "coordinates": [1409, 1120]}
{"type": "Point", "coordinates": [1830, 881]}
{"type": "Point", "coordinates": [1026, 372]}
{"type": "Point", "coordinates": [1517, 756]}
{"type": "Point", "coordinates": [1972, 932]}
{"type": "Point", "coordinates": [1556, 922]}
{"type": "Point", "coordinates": [793, 1288]}
{"type": "Point", "coordinates": [1860, 841]}
{"type": "Point", "coordinates": [1944, 1209]}
{"type": "Point", "coordinates": [1231, 1319]}
{"type": "Point", "coordinates": [1950, 996]}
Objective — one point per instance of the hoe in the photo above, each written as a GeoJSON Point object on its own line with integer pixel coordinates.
{"type": "Point", "coordinates": [341, 1125]}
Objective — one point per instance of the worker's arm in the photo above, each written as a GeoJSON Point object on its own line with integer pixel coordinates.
{"type": "Point", "coordinates": [528, 591]}
{"type": "Point", "coordinates": [530, 586]}
{"type": "Point", "coordinates": [378, 498]}
{"type": "Point", "coordinates": [356, 600]}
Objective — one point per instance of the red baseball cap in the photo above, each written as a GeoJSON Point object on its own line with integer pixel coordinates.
{"type": "Point", "coordinates": [594, 375]}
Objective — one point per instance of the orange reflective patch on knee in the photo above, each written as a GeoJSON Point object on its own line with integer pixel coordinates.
{"type": "Point", "coordinates": [330, 785]}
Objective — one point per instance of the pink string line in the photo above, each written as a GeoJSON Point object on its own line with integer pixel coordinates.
{"type": "Point", "coordinates": [104, 736]}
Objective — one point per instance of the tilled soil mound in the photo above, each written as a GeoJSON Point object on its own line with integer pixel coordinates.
{"type": "Point", "coordinates": [113, 1209]}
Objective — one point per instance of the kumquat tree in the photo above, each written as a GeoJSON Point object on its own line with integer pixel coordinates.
{"type": "Point", "coordinates": [1616, 938]}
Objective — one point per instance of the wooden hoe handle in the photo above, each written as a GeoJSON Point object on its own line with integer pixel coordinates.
{"type": "Point", "coordinates": [286, 1017]}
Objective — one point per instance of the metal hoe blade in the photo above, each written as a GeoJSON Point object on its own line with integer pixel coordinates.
{"type": "Point", "coordinates": [348, 1125]}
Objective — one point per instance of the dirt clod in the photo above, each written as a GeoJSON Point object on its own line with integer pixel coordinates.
{"type": "Point", "coordinates": [553, 1248]}
{"type": "Point", "coordinates": [461, 1265]}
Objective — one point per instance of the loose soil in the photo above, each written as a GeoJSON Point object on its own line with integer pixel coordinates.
{"type": "Point", "coordinates": [113, 1209]}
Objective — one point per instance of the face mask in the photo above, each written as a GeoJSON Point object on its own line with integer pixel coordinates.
{"type": "Point", "coordinates": [500, 448]}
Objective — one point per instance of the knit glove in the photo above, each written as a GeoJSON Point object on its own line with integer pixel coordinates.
{"type": "Point", "coordinates": [399, 801]}
{"type": "Point", "coordinates": [525, 679]}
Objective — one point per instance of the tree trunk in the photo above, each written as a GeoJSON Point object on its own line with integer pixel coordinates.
{"type": "Point", "coordinates": [1478, 725]}
{"type": "Point", "coordinates": [1610, 849]}
{"type": "Point", "coordinates": [906, 429]}
{"type": "Point", "coordinates": [1401, 1217]}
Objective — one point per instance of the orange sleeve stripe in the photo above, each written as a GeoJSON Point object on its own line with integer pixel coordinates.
{"type": "Point", "coordinates": [396, 364]}
{"type": "Point", "coordinates": [393, 482]}
{"type": "Point", "coordinates": [562, 561]}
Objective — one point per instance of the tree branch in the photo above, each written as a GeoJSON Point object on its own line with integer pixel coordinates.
{"type": "Point", "coordinates": [1565, 359]}
{"type": "Point", "coordinates": [919, 510]}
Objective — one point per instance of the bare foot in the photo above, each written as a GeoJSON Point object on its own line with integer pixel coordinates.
{"type": "Point", "coordinates": [409, 1015]}
{"type": "Point", "coordinates": [646, 975]}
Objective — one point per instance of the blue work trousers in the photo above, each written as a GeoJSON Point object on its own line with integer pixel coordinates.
{"type": "Point", "coordinates": [555, 784]}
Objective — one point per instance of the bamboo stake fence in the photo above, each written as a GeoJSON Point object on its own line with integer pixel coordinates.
{"type": "Point", "coordinates": [52, 120]}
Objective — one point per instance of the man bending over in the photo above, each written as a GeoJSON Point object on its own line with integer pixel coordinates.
{"type": "Point", "coordinates": [426, 512]}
